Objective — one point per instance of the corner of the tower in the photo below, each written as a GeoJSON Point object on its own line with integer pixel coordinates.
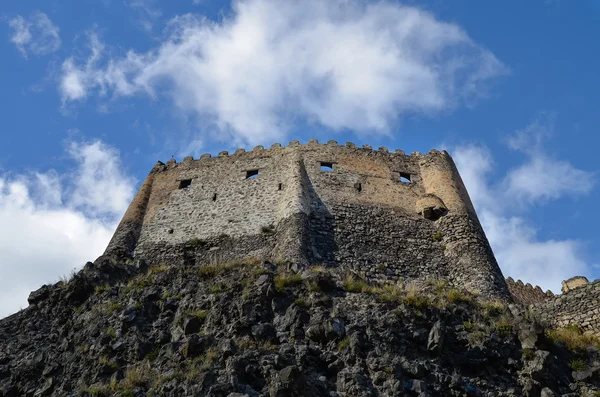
{"type": "Point", "coordinates": [126, 235]}
{"type": "Point", "coordinates": [472, 261]}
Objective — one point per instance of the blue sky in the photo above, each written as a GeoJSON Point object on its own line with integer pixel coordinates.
{"type": "Point", "coordinates": [94, 94]}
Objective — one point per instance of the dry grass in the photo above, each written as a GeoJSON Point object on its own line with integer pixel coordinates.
{"type": "Point", "coordinates": [355, 284]}
{"type": "Point", "coordinates": [572, 338]}
{"type": "Point", "coordinates": [283, 281]}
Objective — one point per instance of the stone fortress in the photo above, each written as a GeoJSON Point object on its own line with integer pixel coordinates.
{"type": "Point", "coordinates": [385, 215]}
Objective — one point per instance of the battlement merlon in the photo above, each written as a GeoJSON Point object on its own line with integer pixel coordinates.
{"type": "Point", "coordinates": [316, 203]}
{"type": "Point", "coordinates": [277, 148]}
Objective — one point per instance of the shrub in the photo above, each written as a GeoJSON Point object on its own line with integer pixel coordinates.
{"type": "Point", "coordinates": [111, 333]}
{"type": "Point", "coordinates": [528, 354]}
{"type": "Point", "coordinates": [493, 308]}
{"type": "Point", "coordinates": [389, 292]}
{"type": "Point", "coordinates": [282, 281]}
{"type": "Point", "coordinates": [114, 306]}
{"type": "Point", "coordinates": [415, 299]}
{"type": "Point", "coordinates": [301, 302]}
{"type": "Point", "coordinates": [578, 365]}
{"type": "Point", "coordinates": [102, 288]}
{"type": "Point", "coordinates": [343, 344]}
{"type": "Point", "coordinates": [158, 269]}
{"type": "Point", "coordinates": [572, 338]}
{"type": "Point", "coordinates": [208, 271]}
{"type": "Point", "coordinates": [454, 295]}
{"type": "Point", "coordinates": [354, 284]}
{"type": "Point", "coordinates": [103, 360]}
{"type": "Point", "coordinates": [134, 377]}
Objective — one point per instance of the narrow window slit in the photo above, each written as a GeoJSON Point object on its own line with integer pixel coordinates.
{"type": "Point", "coordinates": [251, 174]}
{"type": "Point", "coordinates": [405, 178]}
{"type": "Point", "coordinates": [280, 187]}
{"type": "Point", "coordinates": [327, 167]}
{"type": "Point", "coordinates": [214, 197]}
{"type": "Point", "coordinates": [185, 184]}
{"type": "Point", "coordinates": [358, 186]}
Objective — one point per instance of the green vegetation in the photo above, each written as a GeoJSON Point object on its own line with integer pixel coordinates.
{"type": "Point", "coordinates": [111, 332]}
{"type": "Point", "coordinates": [158, 269]}
{"type": "Point", "coordinates": [343, 344]}
{"type": "Point", "coordinates": [101, 288]}
{"type": "Point", "coordinates": [504, 325]}
{"type": "Point", "coordinates": [572, 338]}
{"type": "Point", "coordinates": [354, 284]}
{"type": "Point", "coordinates": [301, 302]}
{"type": "Point", "coordinates": [528, 354]}
{"type": "Point", "coordinates": [454, 295]}
{"type": "Point", "coordinates": [103, 360]}
{"type": "Point", "coordinates": [113, 307]}
{"type": "Point", "coordinates": [282, 281]}
{"type": "Point", "coordinates": [493, 308]}
{"type": "Point", "coordinates": [437, 236]}
{"type": "Point", "coordinates": [468, 325]}
{"type": "Point", "coordinates": [578, 365]}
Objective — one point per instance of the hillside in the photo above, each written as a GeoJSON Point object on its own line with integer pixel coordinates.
{"type": "Point", "coordinates": [120, 328]}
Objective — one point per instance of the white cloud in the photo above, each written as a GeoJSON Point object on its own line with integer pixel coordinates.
{"type": "Point", "coordinates": [53, 223]}
{"type": "Point", "coordinates": [37, 35]}
{"type": "Point", "coordinates": [542, 177]}
{"type": "Point", "coordinates": [500, 205]}
{"type": "Point", "coordinates": [342, 64]}
{"type": "Point", "coordinates": [147, 13]}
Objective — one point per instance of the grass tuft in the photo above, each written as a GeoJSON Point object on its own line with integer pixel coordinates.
{"type": "Point", "coordinates": [572, 338]}
{"type": "Point", "coordinates": [282, 281]}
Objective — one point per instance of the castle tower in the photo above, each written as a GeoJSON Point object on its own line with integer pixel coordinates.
{"type": "Point", "coordinates": [385, 215]}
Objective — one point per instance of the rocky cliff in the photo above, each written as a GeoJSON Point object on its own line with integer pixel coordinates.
{"type": "Point", "coordinates": [121, 328]}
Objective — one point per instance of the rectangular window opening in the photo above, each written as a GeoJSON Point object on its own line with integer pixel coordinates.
{"type": "Point", "coordinates": [214, 197]}
{"type": "Point", "coordinates": [405, 177]}
{"type": "Point", "coordinates": [326, 167]}
{"type": "Point", "coordinates": [185, 184]}
{"type": "Point", "coordinates": [251, 174]}
{"type": "Point", "coordinates": [280, 187]}
{"type": "Point", "coordinates": [358, 186]}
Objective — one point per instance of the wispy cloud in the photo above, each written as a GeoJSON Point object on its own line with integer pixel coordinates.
{"type": "Point", "coordinates": [36, 35]}
{"type": "Point", "coordinates": [340, 64]}
{"type": "Point", "coordinates": [52, 223]}
{"type": "Point", "coordinates": [147, 13]}
{"type": "Point", "coordinates": [502, 206]}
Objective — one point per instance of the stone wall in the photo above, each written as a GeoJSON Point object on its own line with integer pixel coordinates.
{"type": "Point", "coordinates": [579, 306]}
{"type": "Point", "coordinates": [527, 294]}
{"type": "Point", "coordinates": [359, 214]}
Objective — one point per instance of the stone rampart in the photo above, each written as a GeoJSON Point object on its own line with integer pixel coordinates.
{"type": "Point", "coordinates": [579, 306]}
{"type": "Point", "coordinates": [527, 294]}
{"type": "Point", "coordinates": [384, 214]}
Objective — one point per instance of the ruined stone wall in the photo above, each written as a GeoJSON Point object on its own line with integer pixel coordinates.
{"type": "Point", "coordinates": [578, 306]}
{"type": "Point", "coordinates": [526, 294]}
{"type": "Point", "coordinates": [360, 214]}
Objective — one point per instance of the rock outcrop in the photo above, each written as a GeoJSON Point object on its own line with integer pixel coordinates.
{"type": "Point", "coordinates": [121, 328]}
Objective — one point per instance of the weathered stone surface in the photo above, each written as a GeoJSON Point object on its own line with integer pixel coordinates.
{"type": "Point", "coordinates": [358, 215]}
{"type": "Point", "coordinates": [249, 340]}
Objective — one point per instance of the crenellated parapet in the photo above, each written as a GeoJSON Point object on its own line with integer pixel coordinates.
{"type": "Point", "coordinates": [277, 148]}
{"type": "Point", "coordinates": [527, 294]}
{"type": "Point", "coordinates": [384, 213]}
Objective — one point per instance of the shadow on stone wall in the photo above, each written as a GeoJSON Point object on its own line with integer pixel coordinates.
{"type": "Point", "coordinates": [321, 224]}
